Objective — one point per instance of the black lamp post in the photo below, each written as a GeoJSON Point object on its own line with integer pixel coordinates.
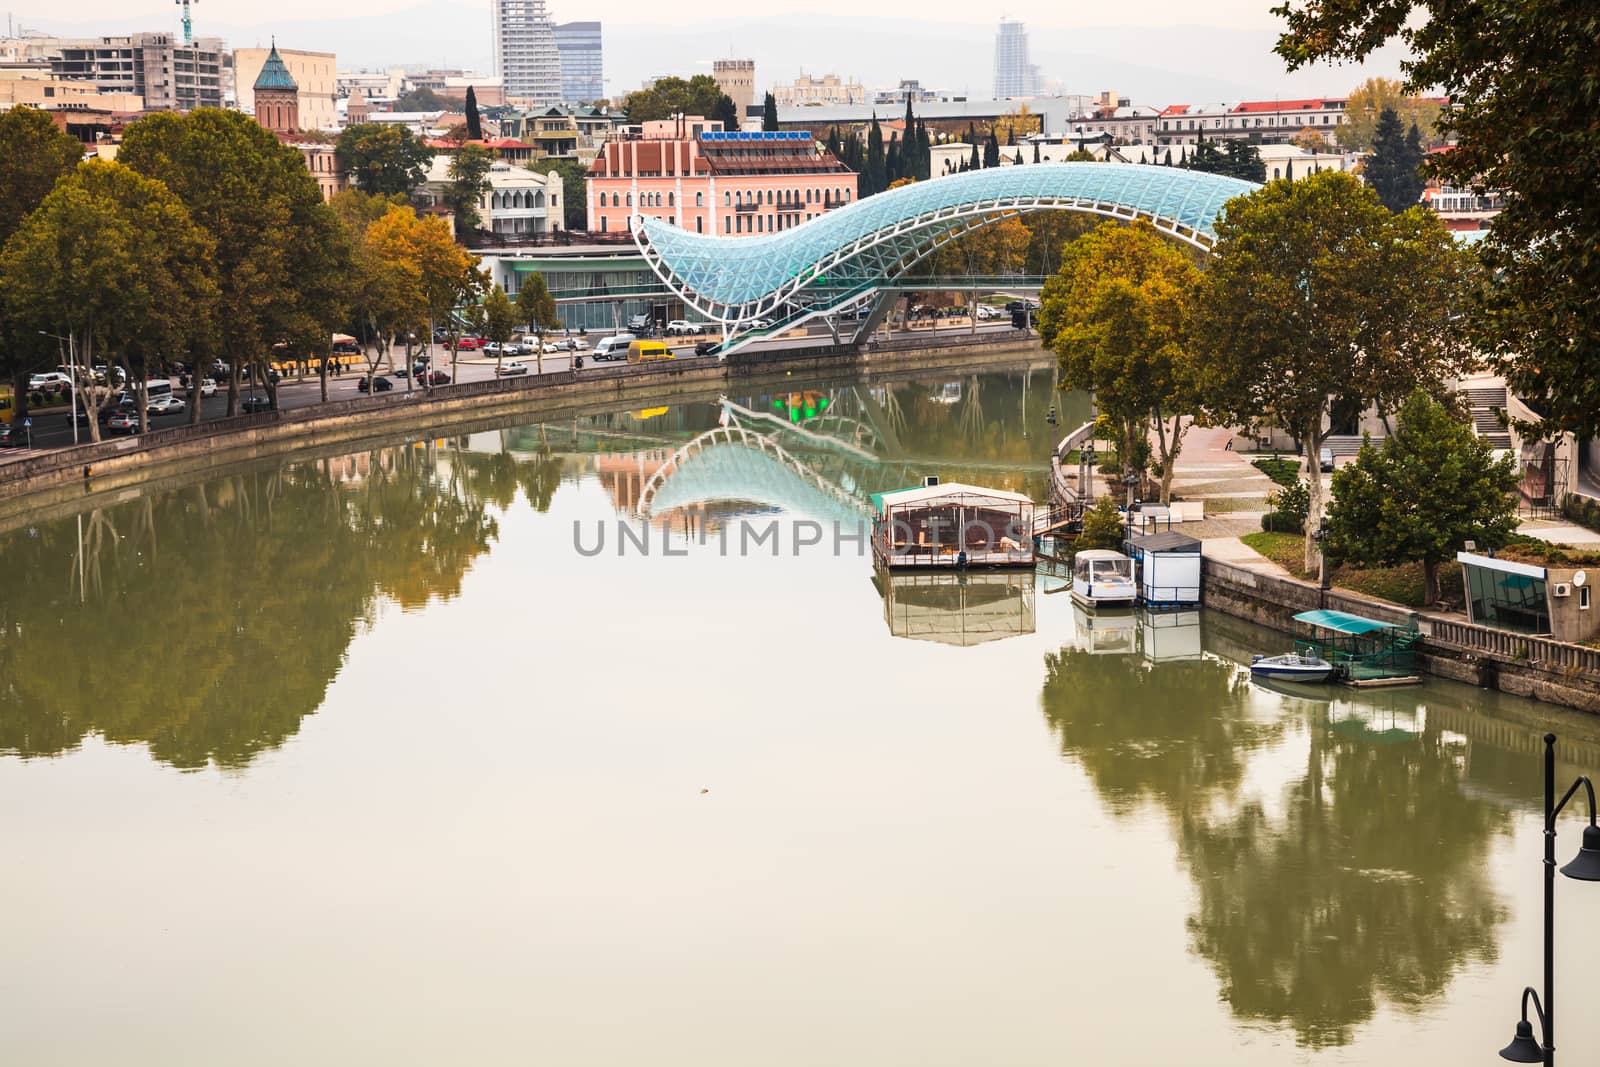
{"type": "Point", "coordinates": [1585, 868]}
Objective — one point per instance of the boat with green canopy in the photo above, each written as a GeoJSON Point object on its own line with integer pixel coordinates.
{"type": "Point", "coordinates": [1363, 651]}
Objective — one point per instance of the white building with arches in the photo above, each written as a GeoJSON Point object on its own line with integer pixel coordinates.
{"type": "Point", "coordinates": [519, 201]}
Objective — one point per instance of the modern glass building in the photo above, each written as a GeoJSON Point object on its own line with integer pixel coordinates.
{"type": "Point", "coordinates": [1505, 594]}
{"type": "Point", "coordinates": [582, 66]}
{"type": "Point", "coordinates": [1013, 74]}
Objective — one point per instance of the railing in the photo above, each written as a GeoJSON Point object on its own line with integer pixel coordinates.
{"type": "Point", "coordinates": [1544, 651]}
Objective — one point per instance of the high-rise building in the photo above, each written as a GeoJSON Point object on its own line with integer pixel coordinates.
{"type": "Point", "coordinates": [582, 69]}
{"type": "Point", "coordinates": [737, 79]}
{"type": "Point", "coordinates": [1013, 74]}
{"type": "Point", "coordinates": [170, 75]}
{"type": "Point", "coordinates": [525, 52]}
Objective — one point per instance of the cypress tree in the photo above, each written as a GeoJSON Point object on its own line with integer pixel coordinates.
{"type": "Point", "coordinates": [1018, 160]}
{"type": "Point", "coordinates": [975, 163]}
{"type": "Point", "coordinates": [1036, 151]}
{"type": "Point", "coordinates": [769, 113]}
{"type": "Point", "coordinates": [1168, 161]}
{"type": "Point", "coordinates": [876, 172]}
{"type": "Point", "coordinates": [1394, 171]}
{"type": "Point", "coordinates": [893, 162]}
{"type": "Point", "coordinates": [924, 153]}
{"type": "Point", "coordinates": [991, 151]}
{"type": "Point", "coordinates": [474, 121]}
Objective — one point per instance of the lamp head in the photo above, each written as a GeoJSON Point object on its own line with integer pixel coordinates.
{"type": "Point", "coordinates": [1586, 867]}
{"type": "Point", "coordinates": [1523, 1048]}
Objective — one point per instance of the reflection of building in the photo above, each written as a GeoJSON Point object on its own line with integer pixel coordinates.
{"type": "Point", "coordinates": [957, 609]}
{"type": "Point", "coordinates": [1105, 633]}
{"type": "Point", "coordinates": [1170, 635]}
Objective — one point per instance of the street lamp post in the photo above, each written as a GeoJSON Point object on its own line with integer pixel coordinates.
{"type": "Point", "coordinates": [1524, 1048]}
{"type": "Point", "coordinates": [72, 390]}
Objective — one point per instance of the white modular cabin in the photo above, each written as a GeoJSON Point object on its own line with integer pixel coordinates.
{"type": "Point", "coordinates": [1168, 569]}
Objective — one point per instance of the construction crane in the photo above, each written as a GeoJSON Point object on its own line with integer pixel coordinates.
{"type": "Point", "coordinates": [188, 22]}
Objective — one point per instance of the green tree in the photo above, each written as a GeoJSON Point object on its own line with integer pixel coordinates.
{"type": "Point", "coordinates": [1519, 78]}
{"type": "Point", "coordinates": [1102, 525]}
{"type": "Point", "coordinates": [1431, 486]}
{"type": "Point", "coordinates": [383, 158]}
{"type": "Point", "coordinates": [1364, 108]}
{"type": "Point", "coordinates": [1119, 315]}
{"type": "Point", "coordinates": [1395, 168]}
{"type": "Point", "coordinates": [469, 180]}
{"type": "Point", "coordinates": [700, 95]}
{"type": "Point", "coordinates": [991, 151]}
{"type": "Point", "coordinates": [499, 322]}
{"type": "Point", "coordinates": [474, 120]}
{"type": "Point", "coordinates": [769, 113]}
{"type": "Point", "coordinates": [117, 260]}
{"type": "Point", "coordinates": [425, 99]}
{"type": "Point", "coordinates": [281, 256]}
{"type": "Point", "coordinates": [875, 179]}
{"type": "Point", "coordinates": [34, 156]}
{"type": "Point", "coordinates": [536, 309]}
{"type": "Point", "coordinates": [1244, 161]}
{"type": "Point", "coordinates": [385, 288]}
{"type": "Point", "coordinates": [1317, 292]}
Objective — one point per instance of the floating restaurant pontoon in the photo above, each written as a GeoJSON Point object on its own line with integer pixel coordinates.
{"type": "Point", "coordinates": [952, 525]}
{"type": "Point", "coordinates": [1362, 651]}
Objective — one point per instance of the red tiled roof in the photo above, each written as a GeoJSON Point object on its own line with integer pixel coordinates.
{"type": "Point", "coordinates": [1175, 109]}
{"type": "Point", "coordinates": [1289, 105]}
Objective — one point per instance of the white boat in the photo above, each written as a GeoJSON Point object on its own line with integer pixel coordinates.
{"type": "Point", "coordinates": [1291, 667]}
{"type": "Point", "coordinates": [1101, 578]}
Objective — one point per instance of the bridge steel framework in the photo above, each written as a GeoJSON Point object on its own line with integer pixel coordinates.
{"type": "Point", "coordinates": [850, 254]}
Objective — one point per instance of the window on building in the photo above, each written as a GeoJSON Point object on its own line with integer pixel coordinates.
{"type": "Point", "coordinates": [671, 197]}
{"type": "Point", "coordinates": [727, 199]}
{"type": "Point", "coordinates": [727, 224]}
{"type": "Point", "coordinates": [699, 199]}
{"type": "Point", "coordinates": [603, 221]}
{"type": "Point", "coordinates": [630, 199]}
{"type": "Point", "coordinates": [699, 224]}
{"type": "Point", "coordinates": [1275, 174]}
{"type": "Point", "coordinates": [769, 223]}
{"type": "Point", "coordinates": [769, 196]}
{"type": "Point", "coordinates": [1583, 598]}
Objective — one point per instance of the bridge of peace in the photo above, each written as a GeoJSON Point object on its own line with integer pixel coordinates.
{"type": "Point", "coordinates": [859, 256]}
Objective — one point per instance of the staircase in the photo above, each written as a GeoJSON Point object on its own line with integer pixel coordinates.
{"type": "Point", "coordinates": [1346, 444]}
{"type": "Point", "coordinates": [1486, 406]}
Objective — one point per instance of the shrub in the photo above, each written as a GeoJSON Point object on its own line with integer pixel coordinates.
{"type": "Point", "coordinates": [1282, 522]}
{"type": "Point", "coordinates": [1294, 502]}
{"type": "Point", "coordinates": [1102, 525]}
{"type": "Point", "coordinates": [1583, 510]}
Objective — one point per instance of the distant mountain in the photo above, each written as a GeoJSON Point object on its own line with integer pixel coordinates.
{"type": "Point", "coordinates": [1163, 65]}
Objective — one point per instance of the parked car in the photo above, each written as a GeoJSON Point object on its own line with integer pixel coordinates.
{"type": "Point", "coordinates": [470, 343]}
{"type": "Point", "coordinates": [575, 344]}
{"type": "Point", "coordinates": [681, 327]}
{"type": "Point", "coordinates": [438, 377]}
{"type": "Point", "coordinates": [12, 436]}
{"type": "Point", "coordinates": [639, 323]}
{"type": "Point", "coordinates": [507, 370]}
{"type": "Point", "coordinates": [1325, 459]}
{"type": "Point", "coordinates": [208, 387]}
{"type": "Point", "coordinates": [253, 403]}
{"type": "Point", "coordinates": [987, 312]}
{"type": "Point", "coordinates": [379, 384]}
{"type": "Point", "coordinates": [168, 405]}
{"type": "Point", "coordinates": [123, 421]}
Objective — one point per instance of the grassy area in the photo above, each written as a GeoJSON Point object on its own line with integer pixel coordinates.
{"type": "Point", "coordinates": [1282, 471]}
{"type": "Point", "coordinates": [1525, 549]}
{"type": "Point", "coordinates": [1399, 585]}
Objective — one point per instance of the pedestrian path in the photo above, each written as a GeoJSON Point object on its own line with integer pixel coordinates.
{"type": "Point", "coordinates": [1233, 551]}
{"type": "Point", "coordinates": [1560, 533]}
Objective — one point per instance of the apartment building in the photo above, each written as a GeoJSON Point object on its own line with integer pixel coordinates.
{"type": "Point", "coordinates": [582, 62]}
{"type": "Point", "coordinates": [692, 173]}
{"type": "Point", "coordinates": [525, 52]}
{"type": "Point", "coordinates": [168, 74]}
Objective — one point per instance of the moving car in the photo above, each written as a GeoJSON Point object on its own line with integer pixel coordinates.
{"type": "Point", "coordinates": [470, 343]}
{"type": "Point", "coordinates": [510, 369]}
{"type": "Point", "coordinates": [638, 323]}
{"type": "Point", "coordinates": [208, 387]}
{"type": "Point", "coordinates": [167, 405]}
{"type": "Point", "coordinates": [613, 347]}
{"type": "Point", "coordinates": [252, 404]}
{"type": "Point", "coordinates": [123, 420]}
{"type": "Point", "coordinates": [12, 436]}
{"type": "Point", "coordinates": [379, 385]}
{"type": "Point", "coordinates": [438, 377]}
{"type": "Point", "coordinates": [49, 382]}
{"type": "Point", "coordinates": [706, 348]}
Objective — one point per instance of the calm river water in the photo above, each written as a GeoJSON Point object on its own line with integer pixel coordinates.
{"type": "Point", "coordinates": [359, 759]}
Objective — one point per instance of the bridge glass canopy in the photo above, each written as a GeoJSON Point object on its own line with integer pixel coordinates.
{"type": "Point", "coordinates": [744, 271]}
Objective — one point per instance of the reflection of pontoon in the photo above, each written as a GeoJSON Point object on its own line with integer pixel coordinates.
{"type": "Point", "coordinates": [1171, 635]}
{"type": "Point", "coordinates": [1102, 578]}
{"type": "Point", "coordinates": [948, 393]}
{"type": "Point", "coordinates": [957, 609]}
{"type": "Point", "coordinates": [1115, 634]}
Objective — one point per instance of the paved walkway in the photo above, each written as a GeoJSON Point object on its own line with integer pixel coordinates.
{"type": "Point", "coordinates": [1234, 551]}
{"type": "Point", "coordinates": [1235, 492]}
{"type": "Point", "coordinates": [1560, 533]}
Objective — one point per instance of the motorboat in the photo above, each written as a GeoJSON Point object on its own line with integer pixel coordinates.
{"type": "Point", "coordinates": [1291, 667]}
{"type": "Point", "coordinates": [1101, 578]}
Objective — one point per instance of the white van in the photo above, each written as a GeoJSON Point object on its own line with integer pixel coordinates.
{"type": "Point", "coordinates": [156, 390]}
{"type": "Point", "coordinates": [614, 347]}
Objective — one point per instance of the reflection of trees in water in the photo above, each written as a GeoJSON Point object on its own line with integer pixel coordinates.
{"type": "Point", "coordinates": [207, 621]}
{"type": "Point", "coordinates": [1370, 883]}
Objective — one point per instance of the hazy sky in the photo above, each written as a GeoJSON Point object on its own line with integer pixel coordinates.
{"type": "Point", "coordinates": [1241, 14]}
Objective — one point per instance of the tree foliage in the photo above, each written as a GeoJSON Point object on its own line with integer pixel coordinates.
{"type": "Point", "coordinates": [1102, 525]}
{"type": "Point", "coordinates": [1119, 314]}
{"type": "Point", "coordinates": [1364, 108]}
{"type": "Point", "coordinates": [425, 99]}
{"type": "Point", "coordinates": [1395, 168]}
{"type": "Point", "coordinates": [1317, 293]}
{"type": "Point", "coordinates": [700, 95]}
{"type": "Point", "coordinates": [499, 320]}
{"type": "Point", "coordinates": [769, 113]}
{"type": "Point", "coordinates": [1431, 486]}
{"type": "Point", "coordinates": [469, 180]}
{"type": "Point", "coordinates": [383, 158]}
{"type": "Point", "coordinates": [1520, 79]}
{"type": "Point", "coordinates": [474, 120]}
{"type": "Point", "coordinates": [1236, 159]}
{"type": "Point", "coordinates": [280, 253]}
{"type": "Point", "coordinates": [536, 309]}
{"type": "Point", "coordinates": [115, 260]}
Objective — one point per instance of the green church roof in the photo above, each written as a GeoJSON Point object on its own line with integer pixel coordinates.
{"type": "Point", "coordinates": [274, 75]}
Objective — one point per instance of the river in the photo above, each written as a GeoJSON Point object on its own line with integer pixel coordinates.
{"type": "Point", "coordinates": [374, 758]}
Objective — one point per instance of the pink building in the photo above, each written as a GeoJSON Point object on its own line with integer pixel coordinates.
{"type": "Point", "coordinates": [692, 173]}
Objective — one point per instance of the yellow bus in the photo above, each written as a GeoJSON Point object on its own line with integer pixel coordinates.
{"type": "Point", "coordinates": [648, 351]}
{"type": "Point", "coordinates": [8, 405]}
